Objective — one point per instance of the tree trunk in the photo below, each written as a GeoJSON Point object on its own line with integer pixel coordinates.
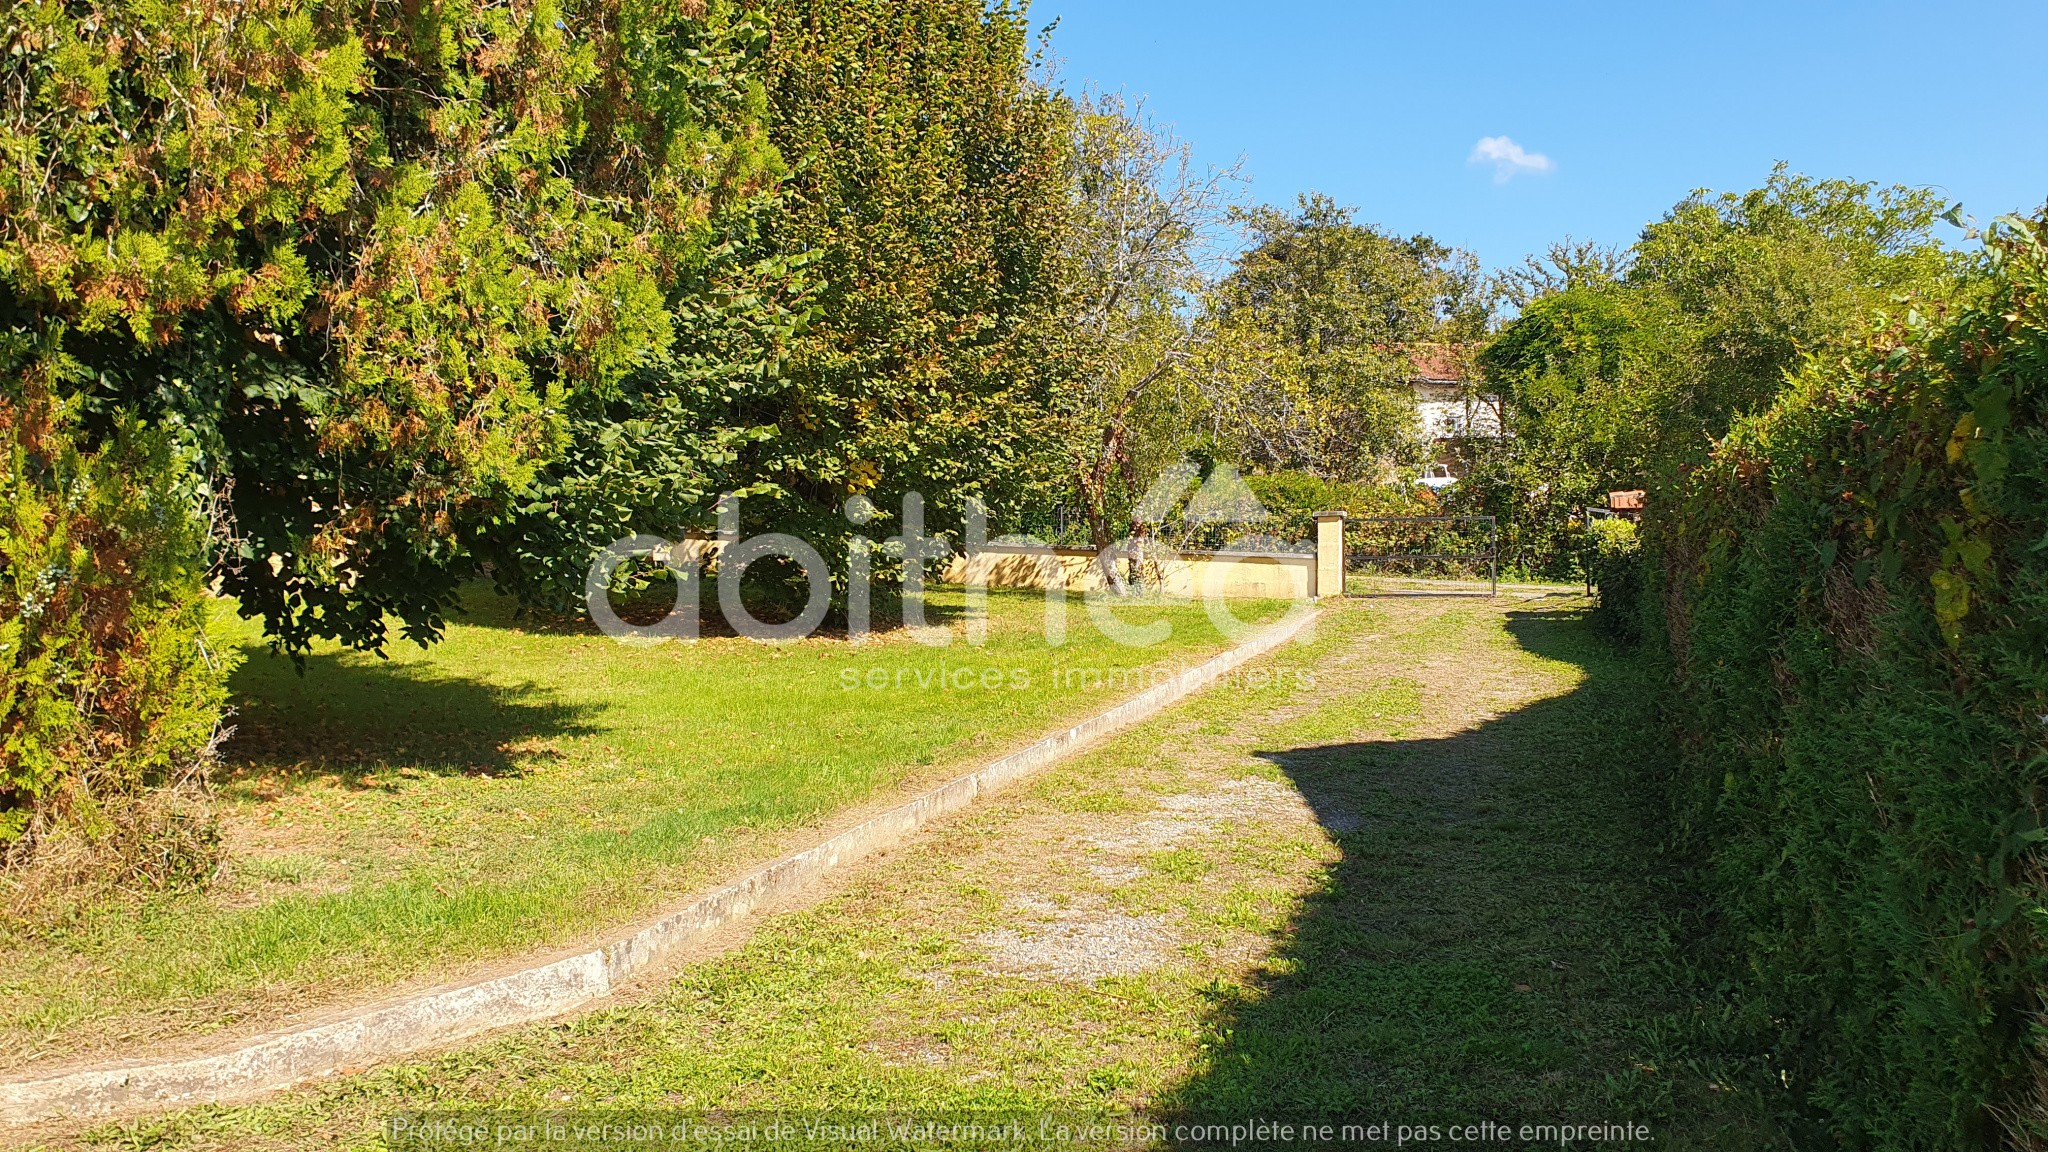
{"type": "Point", "coordinates": [1095, 479]}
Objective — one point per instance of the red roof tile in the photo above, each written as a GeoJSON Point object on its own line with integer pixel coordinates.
{"type": "Point", "coordinates": [1438, 361]}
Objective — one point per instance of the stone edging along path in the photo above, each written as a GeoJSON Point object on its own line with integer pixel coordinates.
{"type": "Point", "coordinates": [445, 1015]}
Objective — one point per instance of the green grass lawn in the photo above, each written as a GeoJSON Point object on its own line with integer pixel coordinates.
{"type": "Point", "coordinates": [1408, 880]}
{"type": "Point", "coordinates": [519, 787]}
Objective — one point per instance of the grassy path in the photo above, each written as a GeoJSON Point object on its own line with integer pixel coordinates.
{"type": "Point", "coordinates": [1401, 877]}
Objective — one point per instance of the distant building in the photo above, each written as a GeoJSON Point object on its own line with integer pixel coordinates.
{"type": "Point", "coordinates": [1451, 412]}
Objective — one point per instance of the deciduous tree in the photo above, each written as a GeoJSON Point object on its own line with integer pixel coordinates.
{"type": "Point", "coordinates": [1139, 253]}
{"type": "Point", "coordinates": [1323, 311]}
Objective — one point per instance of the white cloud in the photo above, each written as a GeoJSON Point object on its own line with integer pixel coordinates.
{"type": "Point", "coordinates": [1508, 158]}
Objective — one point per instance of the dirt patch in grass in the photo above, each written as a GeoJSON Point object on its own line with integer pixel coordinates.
{"type": "Point", "coordinates": [1081, 944]}
{"type": "Point", "coordinates": [1188, 814]}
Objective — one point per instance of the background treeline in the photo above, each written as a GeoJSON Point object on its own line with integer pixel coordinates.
{"type": "Point", "coordinates": [1622, 365]}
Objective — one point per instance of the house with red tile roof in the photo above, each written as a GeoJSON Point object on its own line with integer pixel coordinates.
{"type": "Point", "coordinates": [1450, 410]}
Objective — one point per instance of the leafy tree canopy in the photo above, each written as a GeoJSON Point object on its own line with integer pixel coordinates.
{"type": "Point", "coordinates": [366, 256]}
{"type": "Point", "coordinates": [1622, 366]}
{"type": "Point", "coordinates": [928, 183]}
{"type": "Point", "coordinates": [1781, 272]}
{"type": "Point", "coordinates": [1333, 306]}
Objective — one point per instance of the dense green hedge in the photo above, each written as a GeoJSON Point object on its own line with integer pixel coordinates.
{"type": "Point", "coordinates": [1614, 566]}
{"type": "Point", "coordinates": [1854, 591]}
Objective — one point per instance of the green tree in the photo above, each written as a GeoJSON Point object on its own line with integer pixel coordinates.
{"type": "Point", "coordinates": [1136, 254]}
{"type": "Point", "coordinates": [1769, 277]}
{"type": "Point", "coordinates": [1327, 309]}
{"type": "Point", "coordinates": [927, 192]}
{"type": "Point", "coordinates": [363, 257]}
{"type": "Point", "coordinates": [1587, 378]}
{"type": "Point", "coordinates": [1621, 368]}
{"type": "Point", "coordinates": [1567, 264]}
{"type": "Point", "coordinates": [882, 321]}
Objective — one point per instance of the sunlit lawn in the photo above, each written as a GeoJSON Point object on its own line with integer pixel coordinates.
{"type": "Point", "coordinates": [1445, 911]}
{"type": "Point", "coordinates": [516, 788]}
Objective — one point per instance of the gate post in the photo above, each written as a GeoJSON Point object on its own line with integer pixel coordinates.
{"type": "Point", "coordinates": [1329, 579]}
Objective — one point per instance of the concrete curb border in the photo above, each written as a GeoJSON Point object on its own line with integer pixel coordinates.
{"type": "Point", "coordinates": [442, 1016]}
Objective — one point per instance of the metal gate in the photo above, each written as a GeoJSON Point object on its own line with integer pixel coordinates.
{"type": "Point", "coordinates": [1432, 547]}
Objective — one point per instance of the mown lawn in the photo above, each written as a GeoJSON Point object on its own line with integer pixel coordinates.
{"type": "Point", "coordinates": [1407, 880]}
{"type": "Point", "coordinates": [519, 787]}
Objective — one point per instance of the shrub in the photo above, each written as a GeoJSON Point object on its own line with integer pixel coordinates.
{"type": "Point", "coordinates": [112, 664]}
{"type": "Point", "coordinates": [1292, 499]}
{"type": "Point", "coordinates": [1854, 594]}
{"type": "Point", "coordinates": [1615, 567]}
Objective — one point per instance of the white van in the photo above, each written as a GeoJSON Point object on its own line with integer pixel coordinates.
{"type": "Point", "coordinates": [1437, 476]}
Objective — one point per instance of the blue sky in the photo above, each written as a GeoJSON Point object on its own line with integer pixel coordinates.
{"type": "Point", "coordinates": [1629, 106]}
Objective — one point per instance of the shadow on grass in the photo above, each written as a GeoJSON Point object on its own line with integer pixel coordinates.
{"type": "Point", "coordinates": [1497, 942]}
{"type": "Point", "coordinates": [352, 718]}
{"type": "Point", "coordinates": [485, 608]}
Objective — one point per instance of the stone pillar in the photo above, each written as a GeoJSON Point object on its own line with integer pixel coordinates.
{"type": "Point", "coordinates": [1329, 575]}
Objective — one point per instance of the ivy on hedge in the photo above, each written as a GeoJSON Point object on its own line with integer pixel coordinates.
{"type": "Point", "coordinates": [1854, 595]}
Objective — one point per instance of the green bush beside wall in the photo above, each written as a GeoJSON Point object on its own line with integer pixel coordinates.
{"type": "Point", "coordinates": [1614, 566]}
